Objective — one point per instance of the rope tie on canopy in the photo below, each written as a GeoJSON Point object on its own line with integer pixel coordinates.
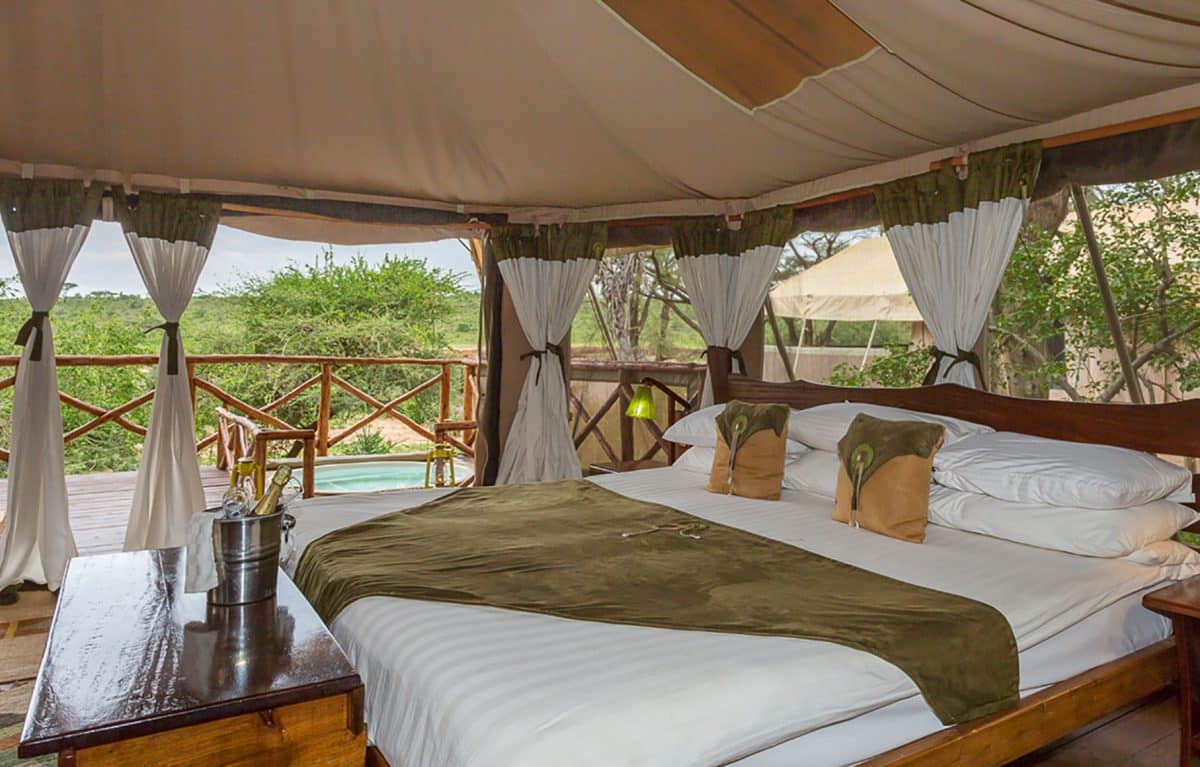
{"type": "Point", "coordinates": [36, 322]}
{"type": "Point", "coordinates": [540, 354]}
{"type": "Point", "coordinates": [172, 331]}
{"type": "Point", "coordinates": [963, 355]}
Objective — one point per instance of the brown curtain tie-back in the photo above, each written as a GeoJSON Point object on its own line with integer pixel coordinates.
{"type": "Point", "coordinates": [172, 331]}
{"type": "Point", "coordinates": [735, 353]}
{"type": "Point", "coordinates": [36, 322]}
{"type": "Point", "coordinates": [963, 355]}
{"type": "Point", "coordinates": [540, 354]}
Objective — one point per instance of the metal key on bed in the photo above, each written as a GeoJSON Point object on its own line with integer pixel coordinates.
{"type": "Point", "coordinates": [687, 530]}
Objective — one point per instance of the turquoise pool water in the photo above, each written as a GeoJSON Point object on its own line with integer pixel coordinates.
{"type": "Point", "coordinates": [380, 475]}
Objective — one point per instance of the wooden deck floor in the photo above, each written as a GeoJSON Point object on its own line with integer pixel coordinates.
{"type": "Point", "coordinates": [1145, 737]}
{"type": "Point", "coordinates": [100, 503]}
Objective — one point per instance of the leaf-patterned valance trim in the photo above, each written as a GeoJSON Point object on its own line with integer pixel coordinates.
{"type": "Point", "coordinates": [708, 235]}
{"type": "Point", "coordinates": [170, 217]}
{"type": "Point", "coordinates": [29, 204]}
{"type": "Point", "coordinates": [552, 242]}
{"type": "Point", "coordinates": [930, 198]}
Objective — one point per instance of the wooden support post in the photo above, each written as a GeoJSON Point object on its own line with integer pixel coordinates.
{"type": "Point", "coordinates": [623, 384]}
{"type": "Point", "coordinates": [1110, 308]}
{"type": "Point", "coordinates": [324, 408]}
{"type": "Point", "coordinates": [444, 393]}
{"type": "Point", "coordinates": [720, 361]}
{"type": "Point", "coordinates": [779, 347]}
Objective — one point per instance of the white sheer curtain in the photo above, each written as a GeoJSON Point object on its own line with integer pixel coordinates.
{"type": "Point", "coordinates": [168, 487]}
{"type": "Point", "coordinates": [727, 273]}
{"type": "Point", "coordinates": [953, 270]}
{"type": "Point", "coordinates": [727, 293]}
{"type": "Point", "coordinates": [952, 237]}
{"type": "Point", "coordinates": [546, 296]}
{"type": "Point", "coordinates": [169, 236]}
{"type": "Point", "coordinates": [37, 538]}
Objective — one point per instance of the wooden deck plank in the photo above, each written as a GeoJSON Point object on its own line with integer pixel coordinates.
{"type": "Point", "coordinates": [99, 505]}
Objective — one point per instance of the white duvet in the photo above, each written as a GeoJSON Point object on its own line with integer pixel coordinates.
{"type": "Point", "coordinates": [461, 685]}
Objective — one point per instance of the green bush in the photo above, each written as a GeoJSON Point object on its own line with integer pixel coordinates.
{"type": "Point", "coordinates": [901, 366]}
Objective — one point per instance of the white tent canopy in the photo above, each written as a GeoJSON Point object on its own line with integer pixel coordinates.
{"type": "Point", "coordinates": [860, 283]}
{"type": "Point", "coordinates": [581, 110]}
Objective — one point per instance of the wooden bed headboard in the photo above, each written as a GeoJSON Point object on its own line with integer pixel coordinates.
{"type": "Point", "coordinates": [1170, 429]}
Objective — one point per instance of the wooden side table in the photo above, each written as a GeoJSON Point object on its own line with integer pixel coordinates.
{"type": "Point", "coordinates": [138, 672]}
{"type": "Point", "coordinates": [619, 467]}
{"type": "Point", "coordinates": [1181, 603]}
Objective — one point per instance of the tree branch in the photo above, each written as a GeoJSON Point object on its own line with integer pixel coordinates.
{"type": "Point", "coordinates": [1061, 383]}
{"type": "Point", "coordinates": [1162, 344]}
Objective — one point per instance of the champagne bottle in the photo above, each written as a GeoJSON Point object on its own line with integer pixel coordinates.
{"type": "Point", "coordinates": [266, 504]}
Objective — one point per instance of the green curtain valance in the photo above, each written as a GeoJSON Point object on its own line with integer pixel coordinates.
{"type": "Point", "coordinates": [707, 235]}
{"type": "Point", "coordinates": [170, 217]}
{"type": "Point", "coordinates": [549, 242]}
{"type": "Point", "coordinates": [27, 203]}
{"type": "Point", "coordinates": [930, 198]}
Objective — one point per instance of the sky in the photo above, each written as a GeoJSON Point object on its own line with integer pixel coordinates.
{"type": "Point", "coordinates": [105, 262]}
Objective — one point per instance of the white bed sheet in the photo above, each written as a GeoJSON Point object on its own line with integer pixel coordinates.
{"type": "Point", "coordinates": [461, 685]}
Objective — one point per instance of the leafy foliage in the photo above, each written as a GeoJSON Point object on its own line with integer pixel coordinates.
{"type": "Point", "coordinates": [1049, 328]}
{"type": "Point", "coordinates": [398, 307]}
{"type": "Point", "coordinates": [899, 366]}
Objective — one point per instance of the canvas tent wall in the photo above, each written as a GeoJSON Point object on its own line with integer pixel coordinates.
{"type": "Point", "coordinates": [860, 283]}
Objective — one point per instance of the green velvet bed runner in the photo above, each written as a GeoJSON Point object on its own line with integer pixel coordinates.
{"type": "Point", "coordinates": [573, 549]}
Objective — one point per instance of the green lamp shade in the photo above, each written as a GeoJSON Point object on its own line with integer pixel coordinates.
{"type": "Point", "coordinates": [642, 404]}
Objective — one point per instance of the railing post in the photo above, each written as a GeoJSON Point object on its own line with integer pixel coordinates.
{"type": "Point", "coordinates": [469, 373]}
{"type": "Point", "coordinates": [324, 408]}
{"type": "Point", "coordinates": [623, 383]}
{"type": "Point", "coordinates": [191, 374]}
{"type": "Point", "coordinates": [444, 393]}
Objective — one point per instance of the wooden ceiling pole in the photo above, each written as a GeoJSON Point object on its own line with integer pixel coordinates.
{"type": "Point", "coordinates": [1110, 308]}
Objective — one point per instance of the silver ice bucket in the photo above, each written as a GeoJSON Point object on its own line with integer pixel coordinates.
{"type": "Point", "coordinates": [246, 554]}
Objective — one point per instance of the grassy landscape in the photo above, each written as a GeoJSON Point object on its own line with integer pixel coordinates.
{"type": "Point", "coordinates": [400, 307]}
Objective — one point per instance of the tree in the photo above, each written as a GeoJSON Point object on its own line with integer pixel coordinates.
{"type": "Point", "coordinates": [398, 307]}
{"type": "Point", "coordinates": [623, 302]}
{"type": "Point", "coordinates": [1049, 329]}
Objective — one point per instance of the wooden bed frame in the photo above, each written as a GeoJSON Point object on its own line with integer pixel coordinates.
{"type": "Point", "coordinates": [1064, 708]}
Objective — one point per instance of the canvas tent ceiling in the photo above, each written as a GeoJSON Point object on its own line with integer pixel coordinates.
{"type": "Point", "coordinates": [860, 283]}
{"type": "Point", "coordinates": [567, 110]}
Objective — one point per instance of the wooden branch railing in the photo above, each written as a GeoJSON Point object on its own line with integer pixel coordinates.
{"type": "Point", "coordinates": [666, 377]}
{"type": "Point", "coordinates": [326, 380]}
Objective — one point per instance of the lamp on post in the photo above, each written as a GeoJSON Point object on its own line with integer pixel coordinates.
{"type": "Point", "coordinates": [642, 404]}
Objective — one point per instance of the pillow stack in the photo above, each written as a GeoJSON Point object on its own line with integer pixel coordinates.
{"type": "Point", "coordinates": [1092, 500]}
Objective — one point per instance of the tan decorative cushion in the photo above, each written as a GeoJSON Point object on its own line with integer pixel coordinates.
{"type": "Point", "coordinates": [751, 450]}
{"type": "Point", "coordinates": [884, 472]}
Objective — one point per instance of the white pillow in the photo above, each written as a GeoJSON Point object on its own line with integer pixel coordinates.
{"type": "Point", "coordinates": [1028, 469]}
{"type": "Point", "coordinates": [814, 472]}
{"type": "Point", "coordinates": [822, 426]}
{"type": "Point", "coordinates": [1086, 531]}
{"type": "Point", "coordinates": [697, 459]}
{"type": "Point", "coordinates": [1165, 554]}
{"type": "Point", "coordinates": [699, 428]}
